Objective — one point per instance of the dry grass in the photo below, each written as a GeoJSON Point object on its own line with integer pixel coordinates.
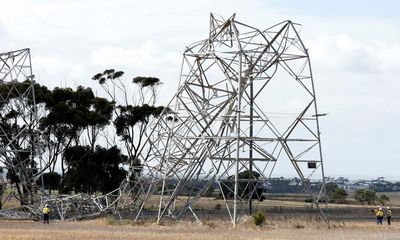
{"type": "Point", "coordinates": [281, 227]}
{"type": "Point", "coordinates": [112, 229]}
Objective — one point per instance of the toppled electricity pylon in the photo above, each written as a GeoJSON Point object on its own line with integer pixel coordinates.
{"type": "Point", "coordinates": [20, 151]}
{"type": "Point", "coordinates": [19, 138]}
{"type": "Point", "coordinates": [224, 127]}
{"type": "Point", "coordinates": [219, 128]}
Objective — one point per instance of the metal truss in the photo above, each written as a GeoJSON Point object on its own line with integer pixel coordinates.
{"type": "Point", "coordinates": [219, 129]}
{"type": "Point", "coordinates": [20, 152]}
{"type": "Point", "coordinates": [70, 207]}
{"type": "Point", "coordinates": [222, 128]}
{"type": "Point", "coordinates": [19, 137]}
{"type": "Point", "coordinates": [81, 206]}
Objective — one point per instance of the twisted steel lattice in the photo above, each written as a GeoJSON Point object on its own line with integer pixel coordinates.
{"type": "Point", "coordinates": [219, 129]}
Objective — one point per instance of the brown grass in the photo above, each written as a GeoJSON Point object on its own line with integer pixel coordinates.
{"type": "Point", "coordinates": [281, 227]}
{"type": "Point", "coordinates": [114, 229]}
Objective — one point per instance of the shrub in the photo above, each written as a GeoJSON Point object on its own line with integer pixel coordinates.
{"type": "Point", "coordinates": [335, 194]}
{"type": "Point", "coordinates": [383, 199]}
{"type": "Point", "coordinates": [365, 195]}
{"type": "Point", "coordinates": [259, 218]}
{"type": "Point", "coordinates": [217, 206]}
{"type": "Point", "coordinates": [339, 196]}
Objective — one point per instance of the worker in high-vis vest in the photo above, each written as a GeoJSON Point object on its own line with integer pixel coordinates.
{"type": "Point", "coordinates": [389, 215]}
{"type": "Point", "coordinates": [379, 216]}
{"type": "Point", "coordinates": [46, 214]}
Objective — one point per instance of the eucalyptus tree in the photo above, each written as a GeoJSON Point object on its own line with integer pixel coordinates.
{"type": "Point", "coordinates": [71, 114]}
{"type": "Point", "coordinates": [94, 170]}
{"type": "Point", "coordinates": [52, 181]}
{"type": "Point", "coordinates": [134, 113]}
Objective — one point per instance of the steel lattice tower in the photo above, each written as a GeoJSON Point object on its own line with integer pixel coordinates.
{"type": "Point", "coordinates": [217, 128]}
{"type": "Point", "coordinates": [19, 138]}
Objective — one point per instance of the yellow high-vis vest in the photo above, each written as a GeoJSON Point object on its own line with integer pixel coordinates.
{"type": "Point", "coordinates": [46, 210]}
{"type": "Point", "coordinates": [389, 212]}
{"type": "Point", "coordinates": [380, 213]}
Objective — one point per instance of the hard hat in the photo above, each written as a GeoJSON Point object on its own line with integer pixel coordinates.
{"type": "Point", "coordinates": [380, 208]}
{"type": "Point", "coordinates": [46, 205]}
{"type": "Point", "coordinates": [388, 207]}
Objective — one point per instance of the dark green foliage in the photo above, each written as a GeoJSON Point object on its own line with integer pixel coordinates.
{"type": "Point", "coordinates": [365, 196]}
{"type": "Point", "coordinates": [383, 199]}
{"type": "Point", "coordinates": [67, 106]}
{"type": "Point", "coordinates": [42, 94]}
{"type": "Point", "coordinates": [131, 115]}
{"type": "Point", "coordinates": [259, 218]}
{"type": "Point", "coordinates": [78, 108]}
{"type": "Point", "coordinates": [227, 186]}
{"type": "Point", "coordinates": [51, 181]}
{"type": "Point", "coordinates": [108, 71]}
{"type": "Point", "coordinates": [107, 74]}
{"type": "Point", "coordinates": [117, 74]}
{"type": "Point", "coordinates": [97, 170]}
{"type": "Point", "coordinates": [335, 194]}
{"type": "Point", "coordinates": [146, 81]}
{"type": "Point", "coordinates": [339, 196]}
{"type": "Point", "coordinates": [70, 112]}
{"type": "Point", "coordinates": [15, 90]}
{"type": "Point", "coordinates": [109, 172]}
{"type": "Point", "coordinates": [97, 76]}
{"type": "Point", "coordinates": [248, 175]}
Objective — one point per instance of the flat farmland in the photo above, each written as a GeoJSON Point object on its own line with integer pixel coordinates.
{"type": "Point", "coordinates": [288, 217]}
{"type": "Point", "coordinates": [274, 230]}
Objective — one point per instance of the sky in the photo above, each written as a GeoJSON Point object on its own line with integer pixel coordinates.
{"type": "Point", "coordinates": [354, 48]}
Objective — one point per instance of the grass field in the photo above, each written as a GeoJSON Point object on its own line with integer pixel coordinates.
{"type": "Point", "coordinates": [106, 229]}
{"type": "Point", "coordinates": [283, 211]}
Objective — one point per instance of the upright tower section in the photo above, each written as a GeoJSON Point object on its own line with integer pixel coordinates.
{"type": "Point", "coordinates": [18, 134]}
{"type": "Point", "coordinates": [246, 102]}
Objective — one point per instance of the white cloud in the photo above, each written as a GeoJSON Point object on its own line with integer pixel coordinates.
{"type": "Point", "coordinates": [3, 36]}
{"type": "Point", "coordinates": [2, 30]}
{"type": "Point", "coordinates": [342, 52]}
{"type": "Point", "coordinates": [56, 68]}
{"type": "Point", "coordinates": [148, 55]}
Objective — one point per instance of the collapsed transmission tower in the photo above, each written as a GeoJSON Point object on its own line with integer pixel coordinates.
{"type": "Point", "coordinates": [21, 165]}
{"type": "Point", "coordinates": [219, 127]}
{"type": "Point", "coordinates": [19, 137]}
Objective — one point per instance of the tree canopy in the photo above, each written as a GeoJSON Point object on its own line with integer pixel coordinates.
{"type": "Point", "coordinates": [77, 131]}
{"type": "Point", "coordinates": [335, 194]}
{"type": "Point", "coordinates": [365, 196]}
{"type": "Point", "coordinates": [90, 171]}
